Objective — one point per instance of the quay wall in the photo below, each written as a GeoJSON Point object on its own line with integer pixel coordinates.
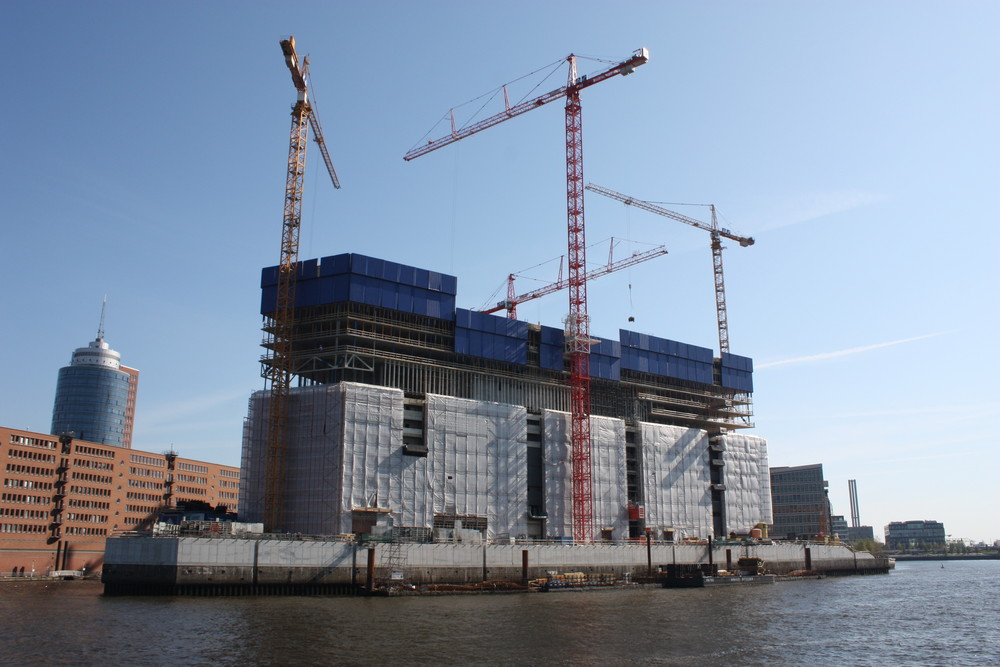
{"type": "Point", "coordinates": [164, 564]}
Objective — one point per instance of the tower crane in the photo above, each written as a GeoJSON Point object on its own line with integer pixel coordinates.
{"type": "Point", "coordinates": [513, 299]}
{"type": "Point", "coordinates": [717, 234]}
{"type": "Point", "coordinates": [280, 329]}
{"type": "Point", "coordinates": [577, 322]}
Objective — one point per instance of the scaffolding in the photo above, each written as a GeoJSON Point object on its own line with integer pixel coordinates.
{"type": "Point", "coordinates": [355, 342]}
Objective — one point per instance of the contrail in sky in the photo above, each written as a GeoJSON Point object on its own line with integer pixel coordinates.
{"type": "Point", "coordinates": [844, 353]}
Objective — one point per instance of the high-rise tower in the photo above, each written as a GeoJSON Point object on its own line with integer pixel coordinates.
{"type": "Point", "coordinates": [95, 395]}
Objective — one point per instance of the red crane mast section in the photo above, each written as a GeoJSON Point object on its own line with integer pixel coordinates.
{"type": "Point", "coordinates": [577, 322]}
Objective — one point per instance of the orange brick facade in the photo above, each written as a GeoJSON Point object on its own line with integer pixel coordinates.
{"type": "Point", "coordinates": [133, 389]}
{"type": "Point", "coordinates": [59, 500]}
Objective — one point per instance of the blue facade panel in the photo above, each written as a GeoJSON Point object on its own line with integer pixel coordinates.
{"type": "Point", "coordinates": [308, 269]}
{"type": "Point", "coordinates": [551, 357]}
{"type": "Point", "coordinates": [377, 282]}
{"type": "Point", "coordinates": [269, 276]}
{"type": "Point", "coordinates": [553, 336]}
{"type": "Point", "coordinates": [736, 379]}
{"type": "Point", "coordinates": [334, 265]}
{"type": "Point", "coordinates": [268, 299]}
{"type": "Point", "coordinates": [307, 293]}
{"type": "Point", "coordinates": [461, 341]}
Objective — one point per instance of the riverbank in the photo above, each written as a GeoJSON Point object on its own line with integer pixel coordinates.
{"type": "Point", "coordinates": [946, 557]}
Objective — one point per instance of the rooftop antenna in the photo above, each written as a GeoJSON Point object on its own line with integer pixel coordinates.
{"type": "Point", "coordinates": [100, 328]}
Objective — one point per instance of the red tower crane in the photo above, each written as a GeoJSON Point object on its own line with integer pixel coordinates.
{"type": "Point", "coordinates": [278, 367]}
{"type": "Point", "coordinates": [717, 233]}
{"type": "Point", "coordinates": [577, 322]}
{"type": "Point", "coordinates": [513, 299]}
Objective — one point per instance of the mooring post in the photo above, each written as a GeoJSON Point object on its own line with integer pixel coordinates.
{"type": "Point", "coordinates": [649, 552]}
{"type": "Point", "coordinates": [371, 568]}
{"type": "Point", "coordinates": [354, 567]}
{"type": "Point", "coordinates": [809, 559]}
{"type": "Point", "coordinates": [524, 566]}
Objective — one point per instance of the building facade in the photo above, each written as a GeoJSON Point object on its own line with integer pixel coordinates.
{"type": "Point", "coordinates": [62, 497]}
{"type": "Point", "coordinates": [410, 407]}
{"type": "Point", "coordinates": [914, 535]}
{"type": "Point", "coordinates": [95, 396]}
{"type": "Point", "coordinates": [800, 502]}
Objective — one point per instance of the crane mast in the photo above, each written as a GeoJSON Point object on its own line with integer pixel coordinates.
{"type": "Point", "coordinates": [577, 322]}
{"type": "Point", "coordinates": [280, 329]}
{"type": "Point", "coordinates": [716, 233]}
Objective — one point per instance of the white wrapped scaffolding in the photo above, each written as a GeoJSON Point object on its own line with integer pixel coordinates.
{"type": "Point", "coordinates": [748, 481]}
{"type": "Point", "coordinates": [339, 454]}
{"type": "Point", "coordinates": [476, 465]}
{"type": "Point", "coordinates": [676, 480]}
{"type": "Point", "coordinates": [608, 475]}
{"type": "Point", "coordinates": [372, 459]}
{"type": "Point", "coordinates": [345, 452]}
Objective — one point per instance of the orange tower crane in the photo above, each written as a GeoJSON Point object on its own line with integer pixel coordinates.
{"type": "Point", "coordinates": [577, 322]}
{"type": "Point", "coordinates": [280, 327]}
{"type": "Point", "coordinates": [717, 235]}
{"type": "Point", "coordinates": [510, 303]}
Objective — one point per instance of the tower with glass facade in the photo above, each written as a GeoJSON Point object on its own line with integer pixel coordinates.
{"type": "Point", "coordinates": [95, 396]}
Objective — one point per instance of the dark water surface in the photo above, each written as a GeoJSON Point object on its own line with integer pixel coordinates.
{"type": "Point", "coordinates": [920, 614]}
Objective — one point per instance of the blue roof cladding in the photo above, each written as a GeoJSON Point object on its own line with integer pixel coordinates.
{"type": "Point", "coordinates": [550, 352]}
{"type": "Point", "coordinates": [605, 359]}
{"type": "Point", "coordinates": [362, 279]}
{"type": "Point", "coordinates": [737, 372]}
{"type": "Point", "coordinates": [662, 356]}
{"type": "Point", "coordinates": [482, 335]}
{"type": "Point", "coordinates": [378, 282]}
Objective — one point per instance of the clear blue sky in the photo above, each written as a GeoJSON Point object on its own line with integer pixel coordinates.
{"type": "Point", "coordinates": [143, 151]}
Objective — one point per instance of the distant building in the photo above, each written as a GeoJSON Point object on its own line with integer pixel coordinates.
{"type": "Point", "coordinates": [800, 504]}
{"type": "Point", "coordinates": [95, 396]}
{"type": "Point", "coordinates": [62, 497]}
{"type": "Point", "coordinates": [914, 535]}
{"type": "Point", "coordinates": [855, 533]}
{"type": "Point", "coordinates": [838, 523]}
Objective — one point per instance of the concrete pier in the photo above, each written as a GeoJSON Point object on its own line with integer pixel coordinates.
{"type": "Point", "coordinates": [231, 566]}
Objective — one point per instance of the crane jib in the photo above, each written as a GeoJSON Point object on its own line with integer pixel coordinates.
{"type": "Point", "coordinates": [640, 57]}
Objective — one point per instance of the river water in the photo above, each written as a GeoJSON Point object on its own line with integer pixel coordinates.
{"type": "Point", "coordinates": [920, 614]}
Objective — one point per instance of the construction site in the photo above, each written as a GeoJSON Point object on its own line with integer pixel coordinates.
{"type": "Point", "coordinates": [391, 417]}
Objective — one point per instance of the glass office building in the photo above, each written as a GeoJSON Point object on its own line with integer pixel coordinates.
{"type": "Point", "coordinates": [92, 396]}
{"type": "Point", "coordinates": [800, 502]}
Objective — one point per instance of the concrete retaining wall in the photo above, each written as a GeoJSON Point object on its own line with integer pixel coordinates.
{"type": "Point", "coordinates": [159, 563]}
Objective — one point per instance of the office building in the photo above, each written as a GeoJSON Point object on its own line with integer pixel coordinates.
{"type": "Point", "coordinates": [914, 535]}
{"type": "Point", "coordinates": [800, 502]}
{"type": "Point", "coordinates": [62, 497]}
{"type": "Point", "coordinates": [95, 396]}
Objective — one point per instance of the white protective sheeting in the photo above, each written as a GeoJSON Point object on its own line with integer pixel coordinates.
{"type": "Point", "coordinates": [676, 479]}
{"type": "Point", "coordinates": [748, 481]}
{"type": "Point", "coordinates": [251, 504]}
{"type": "Point", "coordinates": [608, 475]}
{"type": "Point", "coordinates": [345, 451]}
{"type": "Point", "coordinates": [373, 460]}
{"type": "Point", "coordinates": [477, 464]}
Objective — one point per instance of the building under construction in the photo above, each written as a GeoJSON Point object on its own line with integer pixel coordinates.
{"type": "Point", "coordinates": [413, 414]}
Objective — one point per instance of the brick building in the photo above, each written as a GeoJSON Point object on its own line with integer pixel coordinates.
{"type": "Point", "coordinates": [60, 498]}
